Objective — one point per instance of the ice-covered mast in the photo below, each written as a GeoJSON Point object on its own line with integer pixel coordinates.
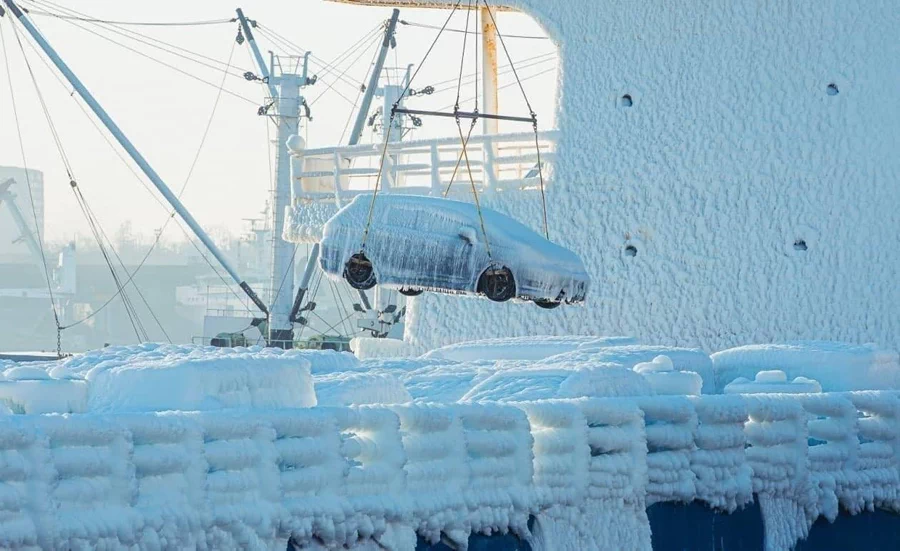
{"type": "Point", "coordinates": [132, 151]}
{"type": "Point", "coordinates": [284, 89]}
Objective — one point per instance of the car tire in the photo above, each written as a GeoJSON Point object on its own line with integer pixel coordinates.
{"type": "Point", "coordinates": [547, 304]}
{"type": "Point", "coordinates": [359, 272]}
{"type": "Point", "coordinates": [411, 292]}
{"type": "Point", "coordinates": [497, 284]}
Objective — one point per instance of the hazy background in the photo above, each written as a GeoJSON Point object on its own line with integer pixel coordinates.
{"type": "Point", "coordinates": [165, 112]}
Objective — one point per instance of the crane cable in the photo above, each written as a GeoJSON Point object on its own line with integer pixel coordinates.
{"type": "Point", "coordinates": [465, 140]}
{"type": "Point", "coordinates": [387, 136]}
{"type": "Point", "coordinates": [534, 122]}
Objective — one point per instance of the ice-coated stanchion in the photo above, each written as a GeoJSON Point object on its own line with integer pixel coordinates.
{"type": "Point", "coordinates": [132, 151]}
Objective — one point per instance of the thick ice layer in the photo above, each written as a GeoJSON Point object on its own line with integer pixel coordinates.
{"type": "Point", "coordinates": [158, 377]}
{"type": "Point", "coordinates": [772, 382]}
{"type": "Point", "coordinates": [523, 384]}
{"type": "Point", "coordinates": [836, 366]}
{"type": "Point", "coordinates": [683, 359]}
{"type": "Point", "coordinates": [347, 389]}
{"type": "Point", "coordinates": [368, 347]}
{"type": "Point", "coordinates": [663, 378]}
{"type": "Point", "coordinates": [522, 348]}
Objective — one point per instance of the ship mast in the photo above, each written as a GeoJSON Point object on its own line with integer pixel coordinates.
{"type": "Point", "coordinates": [284, 91]}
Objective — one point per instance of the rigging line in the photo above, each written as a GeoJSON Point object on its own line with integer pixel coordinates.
{"type": "Point", "coordinates": [96, 126]}
{"type": "Point", "coordinates": [451, 30]}
{"type": "Point", "coordinates": [312, 296]}
{"type": "Point", "coordinates": [225, 283]}
{"type": "Point", "coordinates": [507, 85]}
{"type": "Point", "coordinates": [373, 45]}
{"type": "Point", "coordinates": [506, 51]}
{"type": "Point", "coordinates": [537, 148]}
{"type": "Point", "coordinates": [332, 65]}
{"type": "Point", "coordinates": [102, 248]}
{"type": "Point", "coordinates": [387, 139]}
{"type": "Point", "coordinates": [139, 179]}
{"type": "Point", "coordinates": [359, 92]}
{"type": "Point", "coordinates": [163, 63]}
{"type": "Point", "coordinates": [287, 44]}
{"type": "Point", "coordinates": [330, 326]}
{"type": "Point", "coordinates": [147, 40]}
{"type": "Point", "coordinates": [336, 292]}
{"type": "Point", "coordinates": [27, 176]}
{"type": "Point", "coordinates": [172, 215]}
{"type": "Point", "coordinates": [477, 15]}
{"type": "Point", "coordinates": [286, 274]}
{"type": "Point", "coordinates": [428, 52]}
{"type": "Point", "coordinates": [462, 58]}
{"type": "Point", "coordinates": [526, 62]}
{"type": "Point", "coordinates": [141, 23]}
{"type": "Point", "coordinates": [460, 158]}
{"type": "Point", "coordinates": [499, 74]}
{"type": "Point", "coordinates": [487, 245]}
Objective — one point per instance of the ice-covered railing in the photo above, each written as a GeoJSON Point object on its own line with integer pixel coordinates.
{"type": "Point", "coordinates": [498, 161]}
{"type": "Point", "coordinates": [670, 423]}
{"type": "Point", "coordinates": [722, 474]}
{"type": "Point", "coordinates": [585, 469]}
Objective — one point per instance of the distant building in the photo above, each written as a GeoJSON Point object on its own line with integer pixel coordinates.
{"type": "Point", "coordinates": [12, 245]}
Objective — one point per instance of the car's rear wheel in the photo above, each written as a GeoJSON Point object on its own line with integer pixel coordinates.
{"type": "Point", "coordinates": [547, 304]}
{"type": "Point", "coordinates": [359, 272]}
{"type": "Point", "coordinates": [411, 292]}
{"type": "Point", "coordinates": [497, 283]}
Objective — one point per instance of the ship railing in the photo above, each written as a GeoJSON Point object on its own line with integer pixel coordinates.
{"type": "Point", "coordinates": [498, 162]}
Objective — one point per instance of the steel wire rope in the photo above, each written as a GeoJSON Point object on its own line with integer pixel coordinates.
{"type": "Point", "coordinates": [533, 119]}
{"type": "Point", "coordinates": [28, 181]}
{"type": "Point", "coordinates": [336, 293]}
{"type": "Point", "coordinates": [215, 270]}
{"type": "Point", "coordinates": [358, 94]}
{"type": "Point", "coordinates": [391, 124]}
{"type": "Point", "coordinates": [144, 39]}
{"type": "Point", "coordinates": [161, 62]}
{"type": "Point", "coordinates": [509, 84]}
{"type": "Point", "coordinates": [129, 307]}
{"type": "Point", "coordinates": [319, 77]}
{"type": "Point", "coordinates": [372, 46]}
{"type": "Point", "coordinates": [141, 23]}
{"type": "Point", "coordinates": [441, 85]}
{"type": "Point", "coordinates": [291, 45]}
{"type": "Point", "coordinates": [140, 180]}
{"type": "Point", "coordinates": [451, 30]}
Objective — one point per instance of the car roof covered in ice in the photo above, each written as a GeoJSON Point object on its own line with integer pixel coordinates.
{"type": "Point", "coordinates": [500, 227]}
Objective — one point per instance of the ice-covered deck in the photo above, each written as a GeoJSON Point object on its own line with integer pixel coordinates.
{"type": "Point", "coordinates": [546, 458]}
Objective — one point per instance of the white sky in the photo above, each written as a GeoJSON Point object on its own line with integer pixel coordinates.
{"type": "Point", "coordinates": [165, 113]}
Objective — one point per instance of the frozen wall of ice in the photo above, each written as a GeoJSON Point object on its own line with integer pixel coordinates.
{"type": "Point", "coordinates": [747, 192]}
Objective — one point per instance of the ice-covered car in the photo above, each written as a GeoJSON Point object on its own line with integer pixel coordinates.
{"type": "Point", "coordinates": [418, 243]}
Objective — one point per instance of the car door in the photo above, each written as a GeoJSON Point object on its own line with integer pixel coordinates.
{"type": "Point", "coordinates": [438, 247]}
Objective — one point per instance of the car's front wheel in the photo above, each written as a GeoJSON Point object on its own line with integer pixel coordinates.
{"type": "Point", "coordinates": [359, 272]}
{"type": "Point", "coordinates": [547, 304]}
{"type": "Point", "coordinates": [497, 283]}
{"type": "Point", "coordinates": [411, 292]}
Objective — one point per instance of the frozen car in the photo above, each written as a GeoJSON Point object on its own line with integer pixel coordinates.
{"type": "Point", "coordinates": [418, 243]}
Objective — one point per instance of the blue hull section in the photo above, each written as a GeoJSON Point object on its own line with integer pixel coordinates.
{"type": "Point", "coordinates": [695, 527]}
